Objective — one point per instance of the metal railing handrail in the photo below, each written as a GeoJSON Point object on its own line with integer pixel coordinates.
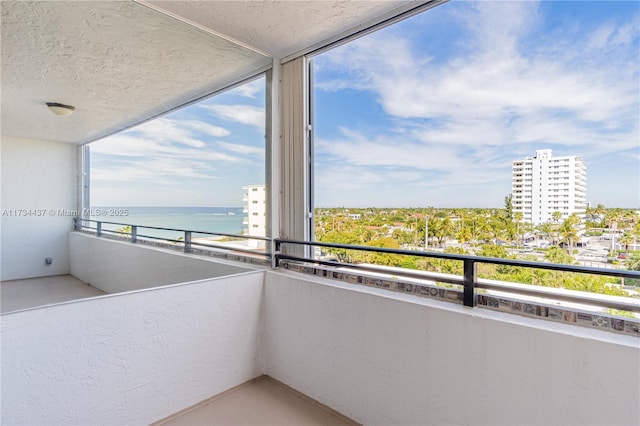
{"type": "Point", "coordinates": [469, 280]}
{"type": "Point", "coordinates": [187, 242]}
{"type": "Point", "coordinates": [478, 259]}
{"type": "Point", "coordinates": [222, 234]}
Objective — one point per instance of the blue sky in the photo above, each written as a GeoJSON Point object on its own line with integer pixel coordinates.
{"type": "Point", "coordinates": [432, 112]}
{"type": "Point", "coordinates": [198, 156]}
{"type": "Point", "coordinates": [427, 112]}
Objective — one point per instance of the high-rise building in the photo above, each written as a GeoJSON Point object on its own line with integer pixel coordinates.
{"type": "Point", "coordinates": [545, 184]}
{"type": "Point", "coordinates": [255, 210]}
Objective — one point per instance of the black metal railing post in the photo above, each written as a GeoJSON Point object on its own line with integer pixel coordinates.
{"type": "Point", "coordinates": [134, 233]}
{"type": "Point", "coordinates": [76, 226]}
{"type": "Point", "coordinates": [98, 229]}
{"type": "Point", "coordinates": [276, 253]}
{"type": "Point", "coordinates": [469, 283]}
{"type": "Point", "coordinates": [187, 241]}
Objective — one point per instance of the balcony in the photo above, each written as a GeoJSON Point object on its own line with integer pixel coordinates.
{"type": "Point", "coordinates": [187, 326]}
{"type": "Point", "coordinates": [369, 350]}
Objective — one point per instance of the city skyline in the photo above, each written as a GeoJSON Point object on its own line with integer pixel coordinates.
{"type": "Point", "coordinates": [427, 112]}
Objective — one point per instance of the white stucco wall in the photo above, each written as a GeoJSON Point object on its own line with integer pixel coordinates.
{"type": "Point", "coordinates": [375, 356]}
{"type": "Point", "coordinates": [42, 176]}
{"type": "Point", "coordinates": [118, 266]}
{"type": "Point", "coordinates": [131, 359]}
{"type": "Point", "coordinates": [385, 358]}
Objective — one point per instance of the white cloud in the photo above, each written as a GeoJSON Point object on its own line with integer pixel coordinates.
{"type": "Point", "coordinates": [204, 128]}
{"type": "Point", "coordinates": [182, 158]}
{"type": "Point", "coordinates": [244, 114]}
{"type": "Point", "coordinates": [162, 133]}
{"type": "Point", "coordinates": [405, 167]}
{"type": "Point", "coordinates": [128, 145]}
{"type": "Point", "coordinates": [497, 77]}
{"type": "Point", "coordinates": [163, 151]}
{"type": "Point", "coordinates": [161, 172]}
{"type": "Point", "coordinates": [356, 149]}
{"type": "Point", "coordinates": [349, 185]}
{"type": "Point", "coordinates": [243, 149]}
{"type": "Point", "coordinates": [610, 35]}
{"type": "Point", "coordinates": [250, 90]}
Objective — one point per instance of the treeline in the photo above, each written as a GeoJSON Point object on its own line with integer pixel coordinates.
{"type": "Point", "coordinates": [480, 232]}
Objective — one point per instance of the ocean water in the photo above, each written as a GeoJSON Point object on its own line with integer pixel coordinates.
{"type": "Point", "coordinates": [226, 220]}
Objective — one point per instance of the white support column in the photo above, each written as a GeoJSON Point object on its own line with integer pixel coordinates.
{"type": "Point", "coordinates": [84, 181]}
{"type": "Point", "coordinates": [273, 137]}
{"type": "Point", "coordinates": [294, 214]}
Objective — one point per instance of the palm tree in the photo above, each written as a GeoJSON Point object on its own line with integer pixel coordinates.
{"type": "Point", "coordinates": [478, 228]}
{"type": "Point", "coordinates": [627, 239]}
{"type": "Point", "coordinates": [636, 231]}
{"type": "Point", "coordinates": [629, 219]}
{"type": "Point", "coordinates": [459, 215]}
{"type": "Point", "coordinates": [556, 216]}
{"type": "Point", "coordinates": [546, 230]}
{"type": "Point", "coordinates": [517, 220]}
{"type": "Point", "coordinates": [569, 231]}
{"type": "Point", "coordinates": [611, 219]}
{"type": "Point", "coordinates": [499, 227]}
{"type": "Point", "coordinates": [441, 229]}
{"type": "Point", "coordinates": [595, 215]}
{"type": "Point", "coordinates": [508, 206]}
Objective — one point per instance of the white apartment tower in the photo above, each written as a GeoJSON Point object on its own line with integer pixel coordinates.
{"type": "Point", "coordinates": [255, 210]}
{"type": "Point", "coordinates": [545, 184]}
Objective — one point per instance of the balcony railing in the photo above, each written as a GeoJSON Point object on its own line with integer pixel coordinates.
{"type": "Point", "coordinates": [185, 243]}
{"type": "Point", "coordinates": [470, 286]}
{"type": "Point", "coordinates": [470, 283]}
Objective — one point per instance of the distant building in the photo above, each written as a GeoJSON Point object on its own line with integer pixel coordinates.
{"type": "Point", "coordinates": [255, 210]}
{"type": "Point", "coordinates": [544, 184]}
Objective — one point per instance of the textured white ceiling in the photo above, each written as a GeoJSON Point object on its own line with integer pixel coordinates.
{"type": "Point", "coordinates": [282, 28]}
{"type": "Point", "coordinates": [122, 62]}
{"type": "Point", "coordinates": [118, 63]}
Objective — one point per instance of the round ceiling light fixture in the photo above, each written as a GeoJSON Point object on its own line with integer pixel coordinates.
{"type": "Point", "coordinates": [60, 109]}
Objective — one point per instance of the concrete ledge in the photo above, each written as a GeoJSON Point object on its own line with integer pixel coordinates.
{"type": "Point", "coordinates": [118, 266]}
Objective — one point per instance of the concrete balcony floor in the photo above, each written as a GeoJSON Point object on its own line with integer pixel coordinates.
{"type": "Point", "coordinates": [33, 292]}
{"type": "Point", "coordinates": [262, 401]}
